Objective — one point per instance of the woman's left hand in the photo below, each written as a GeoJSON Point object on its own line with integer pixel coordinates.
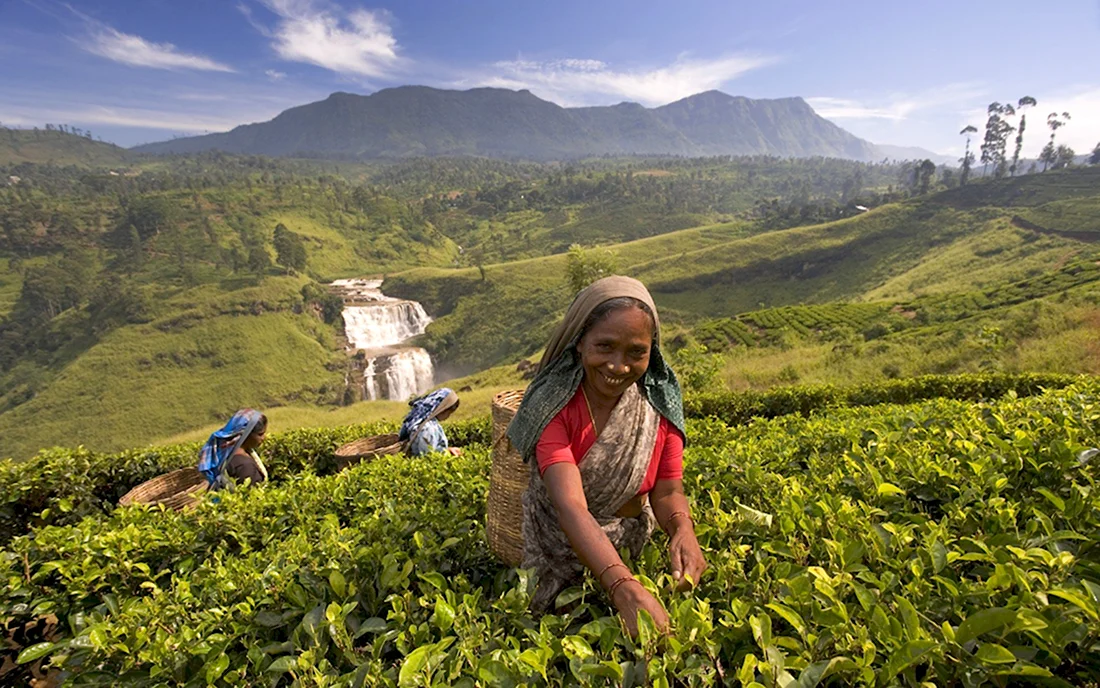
{"type": "Point", "coordinates": [687, 558]}
{"type": "Point", "coordinates": [454, 451]}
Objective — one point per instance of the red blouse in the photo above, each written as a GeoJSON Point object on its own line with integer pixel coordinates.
{"type": "Point", "coordinates": [570, 435]}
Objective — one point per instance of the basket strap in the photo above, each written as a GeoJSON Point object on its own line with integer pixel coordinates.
{"type": "Point", "coordinates": [409, 443]}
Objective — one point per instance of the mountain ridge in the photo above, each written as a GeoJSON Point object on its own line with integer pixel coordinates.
{"type": "Point", "coordinates": [411, 121]}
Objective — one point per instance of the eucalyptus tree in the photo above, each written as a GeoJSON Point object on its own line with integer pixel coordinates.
{"type": "Point", "coordinates": [1050, 154]}
{"type": "Point", "coordinates": [997, 130]}
{"type": "Point", "coordinates": [967, 160]}
{"type": "Point", "coordinates": [1021, 106]}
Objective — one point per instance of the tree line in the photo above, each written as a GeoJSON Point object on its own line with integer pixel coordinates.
{"type": "Point", "coordinates": [1000, 125]}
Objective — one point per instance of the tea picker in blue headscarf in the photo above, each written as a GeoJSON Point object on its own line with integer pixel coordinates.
{"type": "Point", "coordinates": [230, 453]}
{"type": "Point", "coordinates": [422, 431]}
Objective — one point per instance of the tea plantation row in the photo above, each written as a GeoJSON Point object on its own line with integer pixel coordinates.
{"type": "Point", "coordinates": [948, 542]}
{"type": "Point", "coordinates": [63, 485]}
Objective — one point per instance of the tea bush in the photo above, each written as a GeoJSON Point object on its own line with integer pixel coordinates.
{"type": "Point", "coordinates": [947, 542]}
{"type": "Point", "coordinates": [63, 485]}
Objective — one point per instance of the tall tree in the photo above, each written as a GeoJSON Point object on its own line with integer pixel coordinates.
{"type": "Point", "coordinates": [996, 138]}
{"type": "Point", "coordinates": [1094, 157]}
{"type": "Point", "coordinates": [1063, 156]}
{"type": "Point", "coordinates": [926, 172]}
{"type": "Point", "coordinates": [1021, 106]}
{"type": "Point", "coordinates": [290, 250]}
{"type": "Point", "coordinates": [1055, 122]}
{"type": "Point", "coordinates": [967, 160]}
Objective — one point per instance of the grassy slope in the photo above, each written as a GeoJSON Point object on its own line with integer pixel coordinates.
{"type": "Point", "coordinates": [331, 254]}
{"type": "Point", "coordinates": [202, 357]}
{"type": "Point", "coordinates": [1055, 334]}
{"type": "Point", "coordinates": [475, 393]}
{"type": "Point", "coordinates": [211, 354]}
{"type": "Point", "coordinates": [10, 284]}
{"type": "Point", "coordinates": [57, 148]}
{"type": "Point", "coordinates": [948, 242]}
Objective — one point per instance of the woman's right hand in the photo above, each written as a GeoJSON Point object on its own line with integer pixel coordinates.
{"type": "Point", "coordinates": [632, 597]}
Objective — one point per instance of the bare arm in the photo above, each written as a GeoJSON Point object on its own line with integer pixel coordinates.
{"type": "Point", "coordinates": [673, 512]}
{"type": "Point", "coordinates": [668, 498]}
{"type": "Point", "coordinates": [594, 549]}
{"type": "Point", "coordinates": [589, 542]}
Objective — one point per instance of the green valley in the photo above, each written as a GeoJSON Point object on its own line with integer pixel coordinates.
{"type": "Point", "coordinates": [163, 289]}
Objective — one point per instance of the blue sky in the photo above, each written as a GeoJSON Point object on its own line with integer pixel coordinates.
{"type": "Point", "coordinates": [135, 71]}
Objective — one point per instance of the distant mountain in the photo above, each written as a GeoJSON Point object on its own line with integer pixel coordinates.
{"type": "Point", "coordinates": [721, 124]}
{"type": "Point", "coordinates": [57, 148]}
{"type": "Point", "coordinates": [914, 153]}
{"type": "Point", "coordinates": [419, 121]}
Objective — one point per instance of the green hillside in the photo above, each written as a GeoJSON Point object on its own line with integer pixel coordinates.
{"type": "Point", "coordinates": [55, 147]}
{"type": "Point", "coordinates": [162, 292]}
{"type": "Point", "coordinates": [901, 251]}
{"type": "Point", "coordinates": [230, 349]}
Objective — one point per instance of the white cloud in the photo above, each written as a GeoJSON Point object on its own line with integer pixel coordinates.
{"type": "Point", "coordinates": [358, 42]}
{"type": "Point", "coordinates": [843, 108]}
{"type": "Point", "coordinates": [129, 49]}
{"type": "Point", "coordinates": [137, 117]}
{"type": "Point", "coordinates": [275, 75]}
{"type": "Point", "coordinates": [897, 107]}
{"type": "Point", "coordinates": [154, 112]}
{"type": "Point", "coordinates": [1082, 132]}
{"type": "Point", "coordinates": [584, 82]}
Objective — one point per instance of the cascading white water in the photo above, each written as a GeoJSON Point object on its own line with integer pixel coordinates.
{"type": "Point", "coordinates": [370, 385]}
{"type": "Point", "coordinates": [377, 325]}
{"type": "Point", "coordinates": [409, 373]}
{"type": "Point", "coordinates": [386, 324]}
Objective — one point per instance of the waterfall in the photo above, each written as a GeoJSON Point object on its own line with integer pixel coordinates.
{"type": "Point", "coordinates": [409, 373]}
{"type": "Point", "coordinates": [370, 386]}
{"type": "Point", "coordinates": [377, 325]}
{"type": "Point", "coordinates": [386, 324]}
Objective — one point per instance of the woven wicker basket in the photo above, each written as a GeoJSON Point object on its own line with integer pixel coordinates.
{"type": "Point", "coordinates": [367, 448]}
{"type": "Point", "coordinates": [176, 490]}
{"type": "Point", "coordinates": [507, 482]}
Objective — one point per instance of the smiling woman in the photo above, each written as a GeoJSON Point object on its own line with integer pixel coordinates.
{"type": "Point", "coordinates": [603, 420]}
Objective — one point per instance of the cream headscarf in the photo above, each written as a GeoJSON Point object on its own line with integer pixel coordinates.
{"type": "Point", "coordinates": [616, 286]}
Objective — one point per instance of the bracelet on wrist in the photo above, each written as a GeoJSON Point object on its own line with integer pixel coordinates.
{"type": "Point", "coordinates": [599, 576]}
{"type": "Point", "coordinates": [672, 517]}
{"type": "Point", "coordinates": [614, 587]}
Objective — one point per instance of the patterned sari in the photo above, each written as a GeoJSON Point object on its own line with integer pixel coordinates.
{"type": "Point", "coordinates": [613, 469]}
{"type": "Point", "coordinates": [611, 473]}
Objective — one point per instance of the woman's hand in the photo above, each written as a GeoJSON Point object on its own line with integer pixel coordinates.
{"type": "Point", "coordinates": [454, 451]}
{"type": "Point", "coordinates": [686, 556]}
{"type": "Point", "coordinates": [630, 598]}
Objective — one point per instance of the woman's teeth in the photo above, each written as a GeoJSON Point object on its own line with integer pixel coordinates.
{"type": "Point", "coordinates": [613, 381]}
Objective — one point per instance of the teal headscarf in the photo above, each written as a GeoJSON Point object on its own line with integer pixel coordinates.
{"type": "Point", "coordinates": [560, 372]}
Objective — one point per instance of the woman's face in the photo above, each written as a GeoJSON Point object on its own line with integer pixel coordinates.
{"type": "Point", "coordinates": [256, 438]}
{"type": "Point", "coordinates": [615, 351]}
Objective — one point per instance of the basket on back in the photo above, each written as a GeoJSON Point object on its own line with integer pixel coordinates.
{"type": "Point", "coordinates": [366, 448]}
{"type": "Point", "coordinates": [507, 482]}
{"type": "Point", "coordinates": [176, 490]}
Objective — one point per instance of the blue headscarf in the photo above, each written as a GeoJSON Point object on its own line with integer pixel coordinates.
{"type": "Point", "coordinates": [224, 442]}
{"type": "Point", "coordinates": [424, 408]}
